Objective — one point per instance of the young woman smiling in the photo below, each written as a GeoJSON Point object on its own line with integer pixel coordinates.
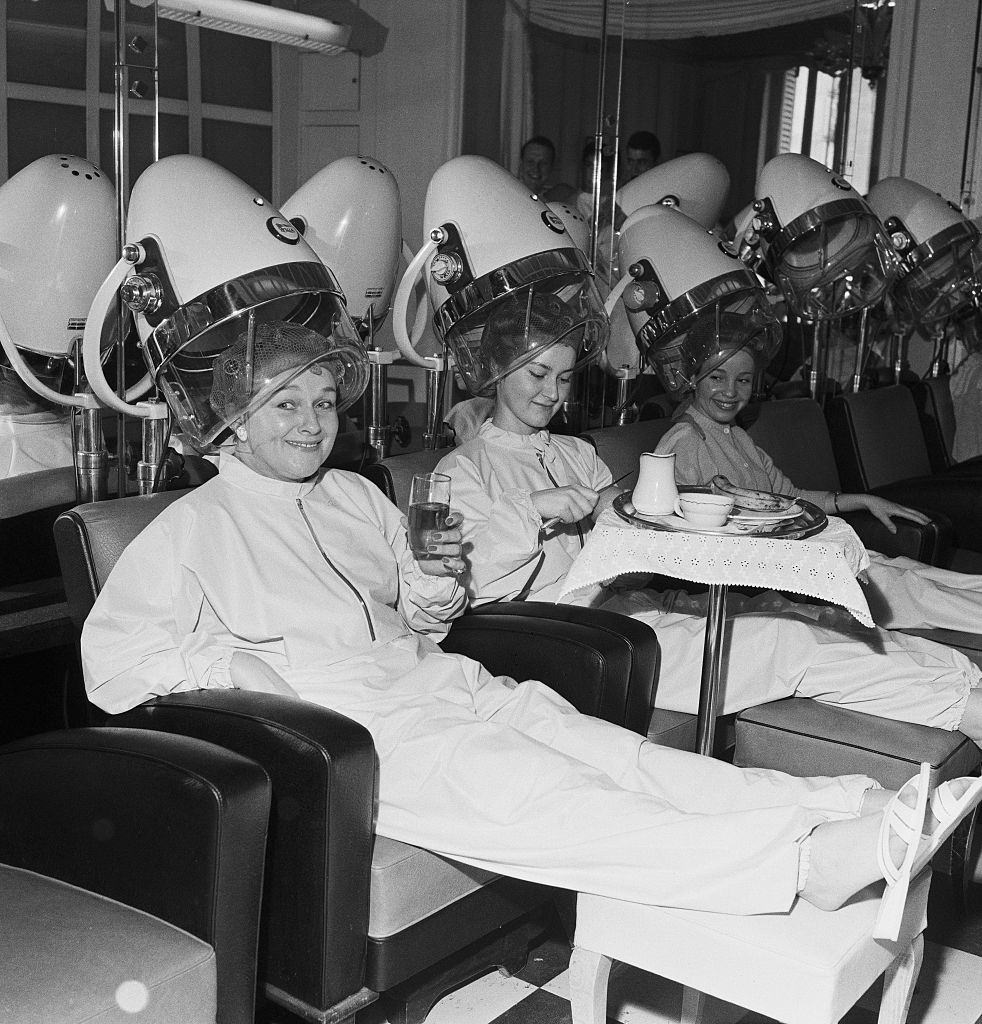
{"type": "Point", "coordinates": [528, 498]}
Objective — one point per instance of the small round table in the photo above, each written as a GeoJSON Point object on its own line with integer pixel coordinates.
{"type": "Point", "coordinates": [824, 565]}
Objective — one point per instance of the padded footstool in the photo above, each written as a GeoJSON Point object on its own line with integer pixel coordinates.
{"type": "Point", "coordinates": [69, 955]}
{"type": "Point", "coordinates": [806, 737]}
{"type": "Point", "coordinates": [804, 967]}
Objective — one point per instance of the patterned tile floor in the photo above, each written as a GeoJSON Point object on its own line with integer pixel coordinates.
{"type": "Point", "coordinates": [949, 990]}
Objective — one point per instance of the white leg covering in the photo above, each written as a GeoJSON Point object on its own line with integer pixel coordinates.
{"type": "Point", "coordinates": [775, 648]}
{"type": "Point", "coordinates": [903, 593]}
{"type": "Point", "coordinates": [492, 794]}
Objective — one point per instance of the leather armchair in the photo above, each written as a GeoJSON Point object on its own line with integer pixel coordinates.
{"type": "Point", "coordinates": [101, 828]}
{"type": "Point", "coordinates": [35, 641]}
{"type": "Point", "coordinates": [936, 412]}
{"type": "Point", "coordinates": [348, 914]}
{"type": "Point", "coordinates": [793, 431]}
{"type": "Point", "coordinates": [879, 447]}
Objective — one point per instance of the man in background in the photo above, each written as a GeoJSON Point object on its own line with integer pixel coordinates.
{"type": "Point", "coordinates": [538, 156]}
{"type": "Point", "coordinates": [642, 153]}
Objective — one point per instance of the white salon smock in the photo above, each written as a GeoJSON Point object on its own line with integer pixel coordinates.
{"type": "Point", "coordinates": [494, 476]}
{"type": "Point", "coordinates": [318, 581]}
{"type": "Point", "coordinates": [30, 442]}
{"type": "Point", "coordinates": [773, 647]}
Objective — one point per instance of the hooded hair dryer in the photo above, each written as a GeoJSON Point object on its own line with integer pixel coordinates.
{"type": "Point", "coordinates": [940, 249]}
{"type": "Point", "coordinates": [492, 244]}
{"type": "Point", "coordinates": [822, 244]}
{"type": "Point", "coordinates": [58, 235]}
{"type": "Point", "coordinates": [203, 252]}
{"type": "Point", "coordinates": [691, 300]}
{"type": "Point", "coordinates": [350, 214]}
{"type": "Point", "coordinates": [696, 184]}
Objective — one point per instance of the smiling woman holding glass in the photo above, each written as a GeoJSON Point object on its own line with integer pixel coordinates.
{"type": "Point", "coordinates": [278, 575]}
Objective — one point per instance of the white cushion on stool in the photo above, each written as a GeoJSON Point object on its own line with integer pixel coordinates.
{"type": "Point", "coordinates": [806, 967]}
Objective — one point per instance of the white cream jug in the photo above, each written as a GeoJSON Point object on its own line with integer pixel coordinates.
{"type": "Point", "coordinates": [655, 493]}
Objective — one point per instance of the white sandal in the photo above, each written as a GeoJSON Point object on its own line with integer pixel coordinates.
{"type": "Point", "coordinates": [908, 824]}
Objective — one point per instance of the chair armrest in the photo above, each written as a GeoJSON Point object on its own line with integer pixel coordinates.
{"type": "Point", "coordinates": [323, 772]}
{"type": "Point", "coordinates": [604, 663]}
{"type": "Point", "coordinates": [165, 824]}
{"type": "Point", "coordinates": [957, 498]}
{"type": "Point", "coordinates": [931, 542]}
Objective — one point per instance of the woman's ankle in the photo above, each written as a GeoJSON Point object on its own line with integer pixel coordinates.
{"type": "Point", "coordinates": [843, 860]}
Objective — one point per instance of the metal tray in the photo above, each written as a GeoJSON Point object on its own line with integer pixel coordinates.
{"type": "Point", "coordinates": [810, 521]}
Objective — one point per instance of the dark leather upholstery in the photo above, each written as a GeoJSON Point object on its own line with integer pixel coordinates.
{"type": "Point", "coordinates": [166, 824]}
{"type": "Point", "coordinates": [806, 737]}
{"type": "Point", "coordinates": [604, 663]}
{"type": "Point", "coordinates": [794, 433]}
{"type": "Point", "coordinates": [620, 448]}
{"type": "Point", "coordinates": [880, 448]}
{"type": "Point", "coordinates": [394, 475]}
{"type": "Point", "coordinates": [936, 412]}
{"type": "Point", "coordinates": [29, 505]}
{"type": "Point", "coordinates": [322, 766]}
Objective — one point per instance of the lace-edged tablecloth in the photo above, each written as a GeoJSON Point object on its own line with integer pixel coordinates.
{"type": "Point", "coordinates": [824, 565]}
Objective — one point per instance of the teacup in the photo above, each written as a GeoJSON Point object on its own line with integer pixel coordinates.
{"type": "Point", "coordinates": [704, 511]}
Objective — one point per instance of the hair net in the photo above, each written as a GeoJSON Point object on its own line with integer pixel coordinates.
{"type": "Point", "coordinates": [519, 324]}
{"type": "Point", "coordinates": [254, 366]}
{"type": "Point", "coordinates": [708, 337]}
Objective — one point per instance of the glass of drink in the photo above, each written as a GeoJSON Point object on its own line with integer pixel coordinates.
{"type": "Point", "coordinates": [429, 507]}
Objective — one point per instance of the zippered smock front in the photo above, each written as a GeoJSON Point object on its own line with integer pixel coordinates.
{"type": "Point", "coordinates": [213, 581]}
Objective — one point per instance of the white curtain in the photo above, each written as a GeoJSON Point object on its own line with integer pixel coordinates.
{"type": "Point", "coordinates": [516, 84]}
{"type": "Point", "coordinates": [678, 19]}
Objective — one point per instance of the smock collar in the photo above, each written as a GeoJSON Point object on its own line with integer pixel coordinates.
{"type": "Point", "coordinates": [708, 424]}
{"type": "Point", "coordinates": [234, 471]}
{"type": "Point", "coordinates": [537, 442]}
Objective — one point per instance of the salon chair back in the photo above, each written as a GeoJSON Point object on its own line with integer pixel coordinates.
{"type": "Point", "coordinates": [936, 411]}
{"type": "Point", "coordinates": [880, 448]}
{"type": "Point", "coordinates": [29, 505]}
{"type": "Point", "coordinates": [99, 830]}
{"type": "Point", "coordinates": [794, 432]}
{"type": "Point", "coordinates": [35, 637]}
{"type": "Point", "coordinates": [621, 448]}
{"type": "Point", "coordinates": [877, 438]}
{"type": "Point", "coordinates": [394, 476]}
{"type": "Point", "coordinates": [348, 914]}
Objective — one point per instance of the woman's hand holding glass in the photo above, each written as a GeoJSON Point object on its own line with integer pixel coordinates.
{"type": "Point", "coordinates": [434, 535]}
{"type": "Point", "coordinates": [566, 504]}
{"type": "Point", "coordinates": [444, 549]}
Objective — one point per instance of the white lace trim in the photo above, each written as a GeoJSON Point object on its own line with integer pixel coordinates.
{"type": "Point", "coordinates": [823, 566]}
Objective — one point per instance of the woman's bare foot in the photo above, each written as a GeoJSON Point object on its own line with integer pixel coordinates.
{"type": "Point", "coordinates": [843, 860]}
{"type": "Point", "coordinates": [875, 801]}
{"type": "Point", "coordinates": [843, 853]}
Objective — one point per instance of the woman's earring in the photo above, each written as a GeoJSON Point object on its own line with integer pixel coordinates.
{"type": "Point", "coordinates": [240, 432]}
